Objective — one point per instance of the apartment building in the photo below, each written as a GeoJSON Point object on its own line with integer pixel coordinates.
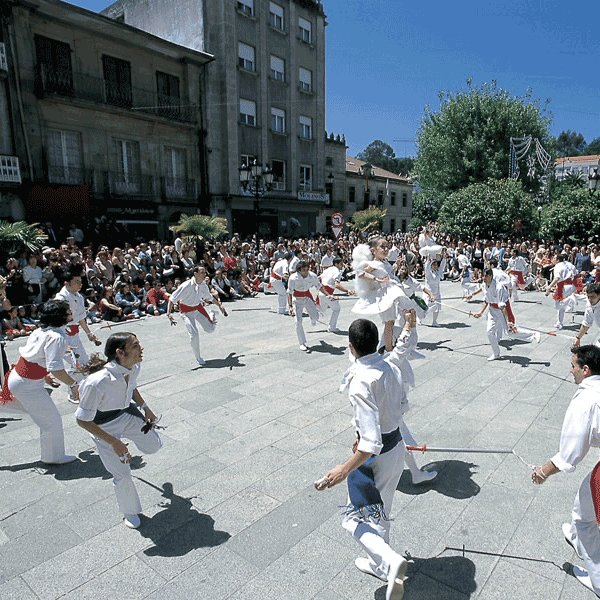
{"type": "Point", "coordinates": [265, 102]}
{"type": "Point", "coordinates": [105, 119]}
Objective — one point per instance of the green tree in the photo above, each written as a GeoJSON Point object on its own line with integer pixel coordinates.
{"type": "Point", "coordinates": [498, 206]}
{"type": "Point", "coordinates": [370, 219]}
{"type": "Point", "coordinates": [572, 215]}
{"type": "Point", "coordinates": [593, 147]}
{"type": "Point", "coordinates": [570, 143]}
{"type": "Point", "coordinates": [19, 236]}
{"type": "Point", "coordinates": [200, 226]}
{"type": "Point", "coordinates": [382, 155]}
{"type": "Point", "coordinates": [468, 140]}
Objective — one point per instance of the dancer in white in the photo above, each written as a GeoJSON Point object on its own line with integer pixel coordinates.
{"type": "Point", "coordinates": [300, 298]}
{"type": "Point", "coordinates": [279, 274]}
{"type": "Point", "coordinates": [330, 281]}
{"type": "Point", "coordinates": [516, 269]}
{"type": "Point", "coordinates": [434, 273]}
{"type": "Point", "coordinates": [23, 390]}
{"type": "Point", "coordinates": [501, 320]}
{"type": "Point", "coordinates": [580, 432]}
{"type": "Point", "coordinates": [192, 296]}
{"type": "Point", "coordinates": [373, 470]}
{"type": "Point", "coordinates": [110, 408]}
{"type": "Point", "coordinates": [470, 287]}
{"type": "Point", "coordinates": [591, 314]}
{"type": "Point", "coordinates": [563, 287]}
{"type": "Point", "coordinates": [378, 291]}
{"type": "Point", "coordinates": [76, 354]}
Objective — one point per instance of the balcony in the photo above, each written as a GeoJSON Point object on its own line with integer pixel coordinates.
{"type": "Point", "coordinates": [9, 169]}
{"type": "Point", "coordinates": [175, 188]}
{"type": "Point", "coordinates": [62, 82]}
{"type": "Point", "coordinates": [68, 175]}
{"type": "Point", "coordinates": [131, 184]}
{"type": "Point", "coordinates": [3, 61]}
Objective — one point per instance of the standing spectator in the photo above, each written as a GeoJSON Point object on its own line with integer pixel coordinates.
{"type": "Point", "coordinates": [33, 278]}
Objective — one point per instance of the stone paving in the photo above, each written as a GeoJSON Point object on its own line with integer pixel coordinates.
{"type": "Point", "coordinates": [230, 509]}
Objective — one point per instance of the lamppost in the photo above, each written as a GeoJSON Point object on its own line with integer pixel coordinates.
{"type": "Point", "coordinates": [257, 179]}
{"type": "Point", "coordinates": [539, 211]}
{"type": "Point", "coordinates": [366, 171]}
{"type": "Point", "coordinates": [593, 180]}
{"type": "Point", "coordinates": [329, 187]}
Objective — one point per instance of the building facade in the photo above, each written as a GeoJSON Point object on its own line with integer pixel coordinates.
{"type": "Point", "coordinates": [581, 166]}
{"type": "Point", "coordinates": [265, 101]}
{"type": "Point", "coordinates": [105, 119]}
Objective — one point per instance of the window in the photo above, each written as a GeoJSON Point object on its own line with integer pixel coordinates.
{"type": "Point", "coordinates": [404, 199]}
{"type": "Point", "coordinates": [305, 182]}
{"type": "Point", "coordinates": [276, 14]}
{"type": "Point", "coordinates": [167, 92]}
{"type": "Point", "coordinates": [54, 65]}
{"type": "Point", "coordinates": [393, 198]}
{"type": "Point", "coordinates": [117, 81]}
{"type": "Point", "coordinates": [392, 225]}
{"type": "Point", "coordinates": [64, 157]}
{"type": "Point", "coordinates": [247, 112]}
{"type": "Point", "coordinates": [305, 79]}
{"type": "Point", "coordinates": [278, 167]}
{"type": "Point", "coordinates": [278, 120]}
{"type": "Point", "coordinates": [329, 161]}
{"type": "Point", "coordinates": [352, 194]}
{"type": "Point", "coordinates": [127, 177]}
{"type": "Point", "coordinates": [380, 198]}
{"type": "Point", "coordinates": [304, 30]}
{"type": "Point", "coordinates": [277, 68]}
{"type": "Point", "coordinates": [175, 172]}
{"type": "Point", "coordinates": [403, 226]}
{"type": "Point", "coordinates": [305, 127]}
{"type": "Point", "coordinates": [246, 7]}
{"type": "Point", "coordinates": [246, 58]}
{"type": "Point", "coordinates": [247, 159]}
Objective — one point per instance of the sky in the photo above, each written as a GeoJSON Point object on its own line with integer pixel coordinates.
{"type": "Point", "coordinates": [386, 60]}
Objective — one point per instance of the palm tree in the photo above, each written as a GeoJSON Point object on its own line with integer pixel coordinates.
{"type": "Point", "coordinates": [19, 236]}
{"type": "Point", "coordinates": [368, 220]}
{"type": "Point", "coordinates": [201, 226]}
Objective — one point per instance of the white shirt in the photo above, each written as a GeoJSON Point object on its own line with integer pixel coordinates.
{"type": "Point", "coordinates": [297, 283]}
{"type": "Point", "coordinates": [191, 293]}
{"type": "Point", "coordinates": [496, 293]}
{"type": "Point", "coordinates": [292, 266]}
{"type": "Point", "coordinates": [280, 268]}
{"type": "Point", "coordinates": [564, 270]}
{"type": "Point", "coordinates": [331, 276]}
{"type": "Point", "coordinates": [393, 254]}
{"type": "Point", "coordinates": [591, 314]}
{"type": "Point", "coordinates": [410, 286]}
{"type": "Point", "coordinates": [106, 389]}
{"type": "Point", "coordinates": [377, 397]}
{"type": "Point", "coordinates": [32, 274]}
{"type": "Point", "coordinates": [581, 426]}
{"type": "Point", "coordinates": [76, 303]}
{"type": "Point", "coordinates": [517, 264]}
{"type": "Point", "coordinates": [463, 261]}
{"type": "Point", "coordinates": [432, 277]}
{"type": "Point", "coordinates": [327, 260]}
{"type": "Point", "coordinates": [46, 347]}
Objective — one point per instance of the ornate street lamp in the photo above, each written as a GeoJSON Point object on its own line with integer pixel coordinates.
{"type": "Point", "coordinates": [593, 179]}
{"type": "Point", "coordinates": [366, 171]}
{"type": "Point", "coordinates": [257, 179]}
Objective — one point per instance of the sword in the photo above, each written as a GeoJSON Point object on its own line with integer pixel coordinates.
{"type": "Point", "coordinates": [425, 448]}
{"type": "Point", "coordinates": [460, 310]}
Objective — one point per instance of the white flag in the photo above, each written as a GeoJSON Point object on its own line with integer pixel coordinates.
{"type": "Point", "coordinates": [387, 188]}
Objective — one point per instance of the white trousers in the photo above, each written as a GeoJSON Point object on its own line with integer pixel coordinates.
{"type": "Point", "coordinates": [278, 287]}
{"type": "Point", "coordinates": [31, 398]}
{"type": "Point", "coordinates": [586, 533]}
{"type": "Point", "coordinates": [372, 536]}
{"type": "Point", "coordinates": [567, 304]}
{"type": "Point", "coordinates": [311, 308]}
{"type": "Point", "coordinates": [334, 306]}
{"type": "Point", "coordinates": [193, 322]}
{"type": "Point", "coordinates": [497, 327]}
{"type": "Point", "coordinates": [81, 356]}
{"type": "Point", "coordinates": [129, 427]}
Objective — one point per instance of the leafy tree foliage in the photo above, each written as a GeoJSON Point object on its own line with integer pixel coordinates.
{"type": "Point", "coordinates": [572, 215]}
{"type": "Point", "coordinates": [382, 155]}
{"type": "Point", "coordinates": [570, 143]}
{"type": "Point", "coordinates": [467, 141]}
{"type": "Point", "coordinates": [593, 147]}
{"type": "Point", "coordinates": [201, 226]}
{"type": "Point", "coordinates": [370, 219]}
{"type": "Point", "coordinates": [496, 207]}
{"type": "Point", "coordinates": [19, 236]}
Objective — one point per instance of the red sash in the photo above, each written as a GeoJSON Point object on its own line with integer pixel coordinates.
{"type": "Point", "coordinates": [275, 276]}
{"type": "Point", "coordinates": [560, 286]}
{"type": "Point", "coordinates": [306, 294]}
{"type": "Point", "coordinates": [595, 489]}
{"type": "Point", "coordinates": [519, 276]}
{"type": "Point", "coordinates": [27, 370]}
{"type": "Point", "coordinates": [72, 329]}
{"type": "Point", "coordinates": [509, 312]}
{"type": "Point", "coordinates": [329, 290]}
{"type": "Point", "coordinates": [184, 308]}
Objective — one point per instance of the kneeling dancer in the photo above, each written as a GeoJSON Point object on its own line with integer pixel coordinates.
{"type": "Point", "coordinates": [109, 409]}
{"type": "Point", "coordinates": [374, 469]}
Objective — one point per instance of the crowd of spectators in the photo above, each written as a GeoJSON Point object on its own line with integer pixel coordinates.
{"type": "Point", "coordinates": [135, 278]}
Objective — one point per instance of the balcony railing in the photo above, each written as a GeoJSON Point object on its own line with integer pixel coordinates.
{"type": "Point", "coordinates": [62, 82]}
{"type": "Point", "coordinates": [9, 169]}
{"type": "Point", "coordinates": [131, 184]}
{"type": "Point", "coordinates": [175, 188]}
{"type": "Point", "coordinates": [3, 61]}
{"type": "Point", "coordinates": [68, 175]}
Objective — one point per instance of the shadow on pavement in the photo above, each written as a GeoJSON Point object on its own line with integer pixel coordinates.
{"type": "Point", "coordinates": [328, 349]}
{"type": "Point", "coordinates": [526, 362]}
{"type": "Point", "coordinates": [454, 480]}
{"type": "Point", "coordinates": [453, 579]}
{"type": "Point", "coordinates": [434, 345]}
{"type": "Point", "coordinates": [179, 528]}
{"type": "Point", "coordinates": [4, 421]}
{"type": "Point", "coordinates": [455, 325]}
{"type": "Point", "coordinates": [230, 361]}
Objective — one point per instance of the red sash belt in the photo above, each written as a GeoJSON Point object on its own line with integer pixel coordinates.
{"type": "Point", "coordinates": [329, 290]}
{"type": "Point", "coordinates": [595, 489]}
{"type": "Point", "coordinates": [275, 276]}
{"type": "Point", "coordinates": [184, 308]}
{"type": "Point", "coordinates": [560, 286]}
{"type": "Point", "coordinates": [27, 370]}
{"type": "Point", "coordinates": [306, 294]}
{"type": "Point", "coordinates": [509, 312]}
{"type": "Point", "coordinates": [72, 329]}
{"type": "Point", "coordinates": [519, 276]}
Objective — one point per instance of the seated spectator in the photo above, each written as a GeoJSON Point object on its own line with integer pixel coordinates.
{"type": "Point", "coordinates": [12, 327]}
{"type": "Point", "coordinates": [27, 318]}
{"type": "Point", "coordinates": [127, 301]}
{"type": "Point", "coordinates": [251, 280]}
{"type": "Point", "coordinates": [109, 310]}
{"type": "Point", "coordinates": [223, 286]}
{"type": "Point", "coordinates": [157, 300]}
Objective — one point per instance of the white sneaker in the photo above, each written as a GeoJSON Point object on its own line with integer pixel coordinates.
{"type": "Point", "coordinates": [537, 336]}
{"type": "Point", "coordinates": [66, 459]}
{"type": "Point", "coordinates": [422, 476]}
{"type": "Point", "coordinates": [201, 362]}
{"type": "Point", "coordinates": [333, 330]}
{"type": "Point", "coordinates": [132, 521]}
{"type": "Point", "coordinates": [364, 565]}
{"type": "Point", "coordinates": [435, 324]}
{"type": "Point", "coordinates": [303, 348]}
{"type": "Point", "coordinates": [570, 537]}
{"type": "Point", "coordinates": [395, 586]}
{"type": "Point", "coordinates": [584, 578]}
{"type": "Point", "coordinates": [493, 357]}
{"type": "Point", "coordinates": [558, 325]}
